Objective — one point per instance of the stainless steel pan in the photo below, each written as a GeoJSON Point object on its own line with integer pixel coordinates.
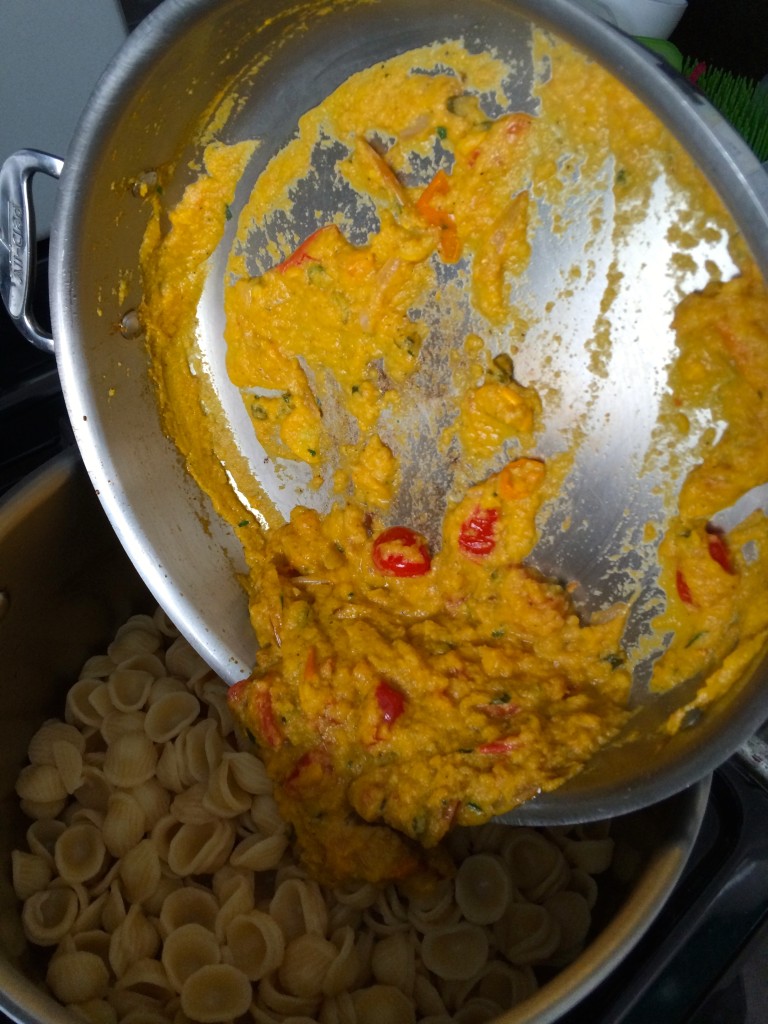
{"type": "Point", "coordinates": [148, 110]}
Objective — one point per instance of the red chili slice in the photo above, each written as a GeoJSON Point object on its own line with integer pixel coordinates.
{"type": "Point", "coordinates": [718, 549]}
{"type": "Point", "coordinates": [236, 692]}
{"type": "Point", "coordinates": [301, 254]}
{"type": "Point", "coordinates": [439, 186]}
{"type": "Point", "coordinates": [499, 746]}
{"type": "Point", "coordinates": [450, 244]}
{"type": "Point", "coordinates": [683, 590]}
{"type": "Point", "coordinates": [259, 706]}
{"type": "Point", "coordinates": [266, 725]}
{"type": "Point", "coordinates": [400, 551]}
{"type": "Point", "coordinates": [309, 769]}
{"type": "Point", "coordinates": [501, 710]}
{"type": "Point", "coordinates": [391, 702]}
{"type": "Point", "coordinates": [477, 534]}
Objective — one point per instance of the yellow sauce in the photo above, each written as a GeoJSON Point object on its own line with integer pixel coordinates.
{"type": "Point", "coordinates": [420, 702]}
{"type": "Point", "coordinates": [716, 585]}
{"type": "Point", "coordinates": [398, 691]}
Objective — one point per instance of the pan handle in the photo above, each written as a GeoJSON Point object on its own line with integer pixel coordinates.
{"type": "Point", "coordinates": [18, 239]}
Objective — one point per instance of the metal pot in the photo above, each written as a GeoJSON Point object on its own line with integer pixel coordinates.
{"type": "Point", "coordinates": [144, 113]}
{"type": "Point", "coordinates": [65, 587]}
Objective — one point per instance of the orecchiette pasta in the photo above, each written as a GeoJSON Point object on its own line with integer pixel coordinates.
{"type": "Point", "coordinates": [170, 714]}
{"type": "Point", "coordinates": [125, 823]}
{"type": "Point", "coordinates": [527, 933]}
{"type": "Point", "coordinates": [572, 913]}
{"type": "Point", "coordinates": [255, 944]}
{"type": "Point", "coordinates": [41, 784]}
{"type": "Point", "coordinates": [188, 904]}
{"type": "Point", "coordinates": [259, 853]}
{"type": "Point", "coordinates": [140, 872]}
{"type": "Point", "coordinates": [305, 964]}
{"type": "Point", "coordinates": [455, 952]}
{"type": "Point", "coordinates": [134, 938]}
{"type": "Point", "coordinates": [31, 872]}
{"type": "Point", "coordinates": [131, 759]}
{"type": "Point", "coordinates": [78, 977]}
{"type": "Point", "coordinates": [393, 961]}
{"type": "Point", "coordinates": [298, 907]}
{"type": "Point", "coordinates": [482, 888]}
{"type": "Point", "coordinates": [159, 873]}
{"type": "Point", "coordinates": [536, 864]}
{"type": "Point", "coordinates": [384, 1004]}
{"type": "Point", "coordinates": [48, 915]}
{"type": "Point", "coordinates": [139, 635]}
{"type": "Point", "coordinates": [506, 985]}
{"type": "Point", "coordinates": [186, 950]}
{"type": "Point", "coordinates": [79, 853]}
{"type": "Point", "coordinates": [42, 744]}
{"type": "Point", "coordinates": [216, 992]}
{"type": "Point", "coordinates": [128, 688]}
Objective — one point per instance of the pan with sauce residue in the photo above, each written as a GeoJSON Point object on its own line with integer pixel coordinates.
{"type": "Point", "coordinates": [609, 366]}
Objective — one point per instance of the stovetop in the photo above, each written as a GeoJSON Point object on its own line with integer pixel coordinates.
{"type": "Point", "coordinates": [703, 960]}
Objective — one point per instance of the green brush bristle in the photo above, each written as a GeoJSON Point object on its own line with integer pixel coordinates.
{"type": "Point", "coordinates": [740, 101]}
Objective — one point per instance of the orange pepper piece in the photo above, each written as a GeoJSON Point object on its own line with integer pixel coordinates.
{"type": "Point", "coordinates": [450, 243]}
{"type": "Point", "coordinates": [520, 478]}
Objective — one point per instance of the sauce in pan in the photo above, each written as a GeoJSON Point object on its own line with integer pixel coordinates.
{"type": "Point", "coordinates": [405, 684]}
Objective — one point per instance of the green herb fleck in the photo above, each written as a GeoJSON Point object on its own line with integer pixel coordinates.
{"type": "Point", "coordinates": [614, 660]}
{"type": "Point", "coordinates": [244, 522]}
{"type": "Point", "coordinates": [419, 825]}
{"type": "Point", "coordinates": [503, 367]}
{"type": "Point", "coordinates": [695, 637]}
{"type": "Point", "coordinates": [355, 389]}
{"type": "Point", "coordinates": [442, 131]}
{"type": "Point", "coordinates": [312, 452]}
{"type": "Point", "coordinates": [502, 698]}
{"type": "Point", "coordinates": [258, 411]}
{"type": "Point", "coordinates": [409, 345]}
{"type": "Point", "coordinates": [228, 211]}
{"type": "Point", "coordinates": [315, 270]}
{"type": "Point", "coordinates": [497, 634]}
{"type": "Point", "coordinates": [621, 176]}
{"type": "Point", "coordinates": [471, 806]}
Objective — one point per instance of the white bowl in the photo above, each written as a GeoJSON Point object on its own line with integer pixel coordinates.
{"type": "Point", "coordinates": [656, 19]}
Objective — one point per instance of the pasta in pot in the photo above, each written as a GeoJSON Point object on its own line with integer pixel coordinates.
{"type": "Point", "coordinates": [160, 876]}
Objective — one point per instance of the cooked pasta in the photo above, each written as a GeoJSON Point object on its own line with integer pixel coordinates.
{"type": "Point", "coordinates": [159, 874]}
{"type": "Point", "coordinates": [455, 952]}
{"type": "Point", "coordinates": [216, 992]}
{"type": "Point", "coordinates": [79, 853]}
{"type": "Point", "coordinates": [78, 977]}
{"type": "Point", "coordinates": [482, 888]}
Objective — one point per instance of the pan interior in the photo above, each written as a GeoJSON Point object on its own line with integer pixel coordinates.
{"type": "Point", "coordinates": [592, 331]}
